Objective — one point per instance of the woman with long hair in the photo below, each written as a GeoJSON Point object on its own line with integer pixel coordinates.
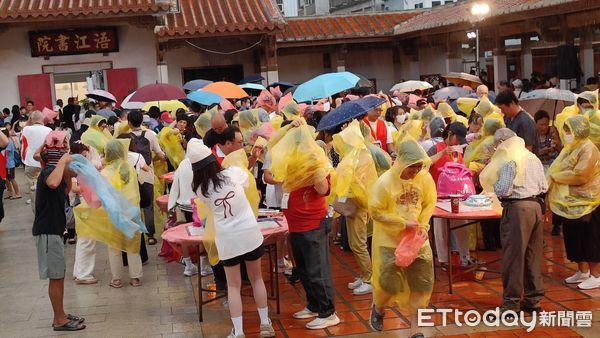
{"type": "Point", "coordinates": [237, 236]}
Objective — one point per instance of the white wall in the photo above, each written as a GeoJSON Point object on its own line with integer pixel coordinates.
{"type": "Point", "coordinates": [299, 68]}
{"type": "Point", "coordinates": [136, 50]}
{"type": "Point", "coordinates": [373, 63]}
{"type": "Point", "coordinates": [190, 57]}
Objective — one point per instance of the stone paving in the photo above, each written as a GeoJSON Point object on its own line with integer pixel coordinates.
{"type": "Point", "coordinates": [165, 306]}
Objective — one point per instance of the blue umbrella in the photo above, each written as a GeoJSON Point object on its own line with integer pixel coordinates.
{"type": "Point", "coordinates": [325, 85]}
{"type": "Point", "coordinates": [283, 86]}
{"type": "Point", "coordinates": [204, 97]}
{"type": "Point", "coordinates": [253, 86]}
{"type": "Point", "coordinates": [194, 85]}
{"type": "Point", "coordinates": [251, 78]}
{"type": "Point", "coordinates": [348, 111]}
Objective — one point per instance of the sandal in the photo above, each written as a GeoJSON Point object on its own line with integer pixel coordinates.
{"type": "Point", "coordinates": [16, 197]}
{"type": "Point", "coordinates": [71, 325]}
{"type": "Point", "coordinates": [8, 197]}
{"type": "Point", "coordinates": [151, 241]}
{"type": "Point", "coordinates": [116, 284]}
{"type": "Point", "coordinates": [75, 318]}
{"type": "Point", "coordinates": [135, 282]}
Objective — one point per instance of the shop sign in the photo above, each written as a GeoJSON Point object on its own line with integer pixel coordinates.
{"type": "Point", "coordinates": [73, 41]}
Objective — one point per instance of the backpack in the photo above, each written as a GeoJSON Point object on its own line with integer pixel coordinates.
{"type": "Point", "coordinates": [141, 145]}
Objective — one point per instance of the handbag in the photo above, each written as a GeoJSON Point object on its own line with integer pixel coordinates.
{"type": "Point", "coordinates": [346, 208]}
{"type": "Point", "coordinates": [455, 179]}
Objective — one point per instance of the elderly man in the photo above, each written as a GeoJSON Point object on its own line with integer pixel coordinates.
{"type": "Point", "coordinates": [482, 91]}
{"type": "Point", "coordinates": [218, 124]}
{"type": "Point", "coordinates": [32, 138]}
{"type": "Point", "coordinates": [517, 177]}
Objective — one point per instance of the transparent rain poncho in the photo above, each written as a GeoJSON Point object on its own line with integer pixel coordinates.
{"type": "Point", "coordinates": [118, 222]}
{"type": "Point", "coordinates": [446, 111]}
{"type": "Point", "coordinates": [574, 110]}
{"type": "Point", "coordinates": [574, 177]}
{"type": "Point", "coordinates": [296, 159]}
{"type": "Point", "coordinates": [169, 140]}
{"type": "Point", "coordinates": [356, 172]}
{"type": "Point", "coordinates": [203, 122]}
{"type": "Point", "coordinates": [488, 111]}
{"type": "Point", "coordinates": [392, 203]}
{"type": "Point", "coordinates": [95, 136]}
{"type": "Point", "coordinates": [479, 152]}
{"type": "Point", "coordinates": [382, 159]}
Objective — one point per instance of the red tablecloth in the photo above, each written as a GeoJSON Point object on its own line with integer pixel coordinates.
{"type": "Point", "coordinates": [168, 177]}
{"type": "Point", "coordinates": [163, 202]}
{"type": "Point", "coordinates": [178, 235]}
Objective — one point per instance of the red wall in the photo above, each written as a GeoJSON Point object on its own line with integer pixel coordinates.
{"type": "Point", "coordinates": [35, 87]}
{"type": "Point", "coordinates": [121, 82]}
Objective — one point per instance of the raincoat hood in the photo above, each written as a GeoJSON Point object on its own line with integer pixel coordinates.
{"type": "Point", "coordinates": [203, 122]}
{"type": "Point", "coordinates": [409, 152]}
{"type": "Point", "coordinates": [591, 97]}
{"type": "Point", "coordinates": [579, 127]}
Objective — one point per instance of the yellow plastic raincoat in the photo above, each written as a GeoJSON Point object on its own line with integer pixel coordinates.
{"type": "Point", "coordinates": [574, 110]}
{"type": "Point", "coordinates": [412, 129]}
{"type": "Point", "coordinates": [356, 172]}
{"type": "Point", "coordinates": [169, 140]}
{"type": "Point", "coordinates": [95, 136]}
{"type": "Point", "coordinates": [393, 202]}
{"type": "Point", "coordinates": [447, 112]}
{"type": "Point", "coordinates": [203, 122]}
{"type": "Point", "coordinates": [513, 150]}
{"type": "Point", "coordinates": [479, 152]}
{"type": "Point", "coordinates": [574, 177]}
{"type": "Point", "coordinates": [160, 168]}
{"type": "Point", "coordinates": [239, 159]}
{"type": "Point", "coordinates": [94, 223]}
{"type": "Point", "coordinates": [291, 111]}
{"type": "Point", "coordinates": [466, 104]}
{"type": "Point", "coordinates": [296, 159]}
{"type": "Point", "coordinates": [488, 110]}
{"type": "Point", "coordinates": [249, 120]}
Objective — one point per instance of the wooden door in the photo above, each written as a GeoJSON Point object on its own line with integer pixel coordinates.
{"type": "Point", "coordinates": [121, 82]}
{"type": "Point", "coordinates": [37, 88]}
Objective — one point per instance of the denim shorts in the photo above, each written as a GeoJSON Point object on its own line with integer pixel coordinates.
{"type": "Point", "coordinates": [51, 256]}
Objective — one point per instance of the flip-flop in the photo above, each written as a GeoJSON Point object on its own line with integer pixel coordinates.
{"type": "Point", "coordinates": [8, 197]}
{"type": "Point", "coordinates": [76, 318]}
{"type": "Point", "coordinates": [71, 325]}
{"type": "Point", "coordinates": [135, 282]}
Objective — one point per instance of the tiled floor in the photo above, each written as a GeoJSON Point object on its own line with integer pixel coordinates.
{"type": "Point", "coordinates": [165, 306]}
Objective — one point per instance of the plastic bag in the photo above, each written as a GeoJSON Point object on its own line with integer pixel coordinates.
{"type": "Point", "coordinates": [455, 178]}
{"type": "Point", "coordinates": [408, 248]}
{"type": "Point", "coordinates": [169, 141]}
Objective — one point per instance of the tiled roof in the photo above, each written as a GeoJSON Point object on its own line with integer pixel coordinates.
{"type": "Point", "coordinates": [32, 9]}
{"type": "Point", "coordinates": [460, 13]}
{"type": "Point", "coordinates": [342, 26]}
{"type": "Point", "coordinates": [199, 17]}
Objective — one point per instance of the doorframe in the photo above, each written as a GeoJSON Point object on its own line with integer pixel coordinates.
{"type": "Point", "coordinates": [50, 69]}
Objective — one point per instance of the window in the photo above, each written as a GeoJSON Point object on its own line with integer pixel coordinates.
{"type": "Point", "coordinates": [309, 2]}
{"type": "Point", "coordinates": [419, 5]}
{"type": "Point", "coordinates": [280, 5]}
{"type": "Point", "coordinates": [435, 3]}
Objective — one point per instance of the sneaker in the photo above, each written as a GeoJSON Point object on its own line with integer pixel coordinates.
{"type": "Point", "coordinates": [233, 335]}
{"type": "Point", "coordinates": [364, 289]}
{"type": "Point", "coordinates": [266, 330]}
{"type": "Point", "coordinates": [356, 284]}
{"type": "Point", "coordinates": [28, 201]}
{"type": "Point", "coordinates": [293, 278]}
{"type": "Point", "coordinates": [322, 323]}
{"type": "Point", "coordinates": [305, 314]}
{"type": "Point", "coordinates": [578, 277]}
{"type": "Point", "coordinates": [376, 320]}
{"type": "Point", "coordinates": [468, 262]}
{"type": "Point", "coordinates": [205, 270]}
{"type": "Point", "coordinates": [190, 270]}
{"type": "Point", "coordinates": [590, 283]}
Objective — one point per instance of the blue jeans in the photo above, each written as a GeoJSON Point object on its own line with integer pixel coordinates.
{"type": "Point", "coordinates": [311, 253]}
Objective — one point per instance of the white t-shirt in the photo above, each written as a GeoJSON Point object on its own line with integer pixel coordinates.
{"type": "Point", "coordinates": [138, 162]}
{"type": "Point", "coordinates": [35, 136]}
{"type": "Point", "coordinates": [236, 229]}
{"type": "Point", "coordinates": [274, 193]}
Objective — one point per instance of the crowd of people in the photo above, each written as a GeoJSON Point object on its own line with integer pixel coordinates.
{"type": "Point", "coordinates": [376, 178]}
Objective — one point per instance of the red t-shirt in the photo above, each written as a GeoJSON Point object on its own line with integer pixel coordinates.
{"type": "Point", "coordinates": [306, 209]}
{"type": "Point", "coordinates": [436, 168]}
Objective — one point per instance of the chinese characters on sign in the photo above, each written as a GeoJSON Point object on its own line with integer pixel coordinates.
{"type": "Point", "coordinates": [69, 42]}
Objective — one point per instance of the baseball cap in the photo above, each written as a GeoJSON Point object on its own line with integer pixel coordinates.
{"type": "Point", "coordinates": [460, 130]}
{"type": "Point", "coordinates": [166, 117]}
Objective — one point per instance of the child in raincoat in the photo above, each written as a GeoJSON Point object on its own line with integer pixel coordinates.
{"type": "Point", "coordinates": [574, 197]}
{"type": "Point", "coordinates": [404, 197]}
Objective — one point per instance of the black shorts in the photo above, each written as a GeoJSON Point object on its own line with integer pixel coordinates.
{"type": "Point", "coordinates": [10, 174]}
{"type": "Point", "coordinates": [248, 256]}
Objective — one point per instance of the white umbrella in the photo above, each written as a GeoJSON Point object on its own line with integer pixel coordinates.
{"type": "Point", "coordinates": [126, 104]}
{"type": "Point", "coordinates": [450, 93]}
{"type": "Point", "coordinates": [551, 100]}
{"type": "Point", "coordinates": [101, 95]}
{"type": "Point", "coordinates": [410, 86]}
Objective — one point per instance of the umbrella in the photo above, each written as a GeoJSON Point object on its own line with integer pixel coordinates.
{"type": "Point", "coordinates": [282, 85]}
{"type": "Point", "coordinates": [410, 86]}
{"type": "Point", "coordinates": [48, 115]}
{"type": "Point", "coordinates": [128, 104]}
{"type": "Point", "coordinates": [170, 105]}
{"type": "Point", "coordinates": [158, 92]}
{"type": "Point", "coordinates": [252, 88]}
{"type": "Point", "coordinates": [205, 98]}
{"type": "Point", "coordinates": [551, 100]}
{"type": "Point", "coordinates": [325, 85]}
{"type": "Point", "coordinates": [106, 113]}
{"type": "Point", "coordinates": [101, 96]}
{"type": "Point", "coordinates": [194, 85]}
{"type": "Point", "coordinates": [251, 78]}
{"type": "Point", "coordinates": [363, 82]}
{"type": "Point", "coordinates": [450, 93]}
{"type": "Point", "coordinates": [348, 111]}
{"type": "Point", "coordinates": [227, 90]}
{"type": "Point", "coordinates": [463, 79]}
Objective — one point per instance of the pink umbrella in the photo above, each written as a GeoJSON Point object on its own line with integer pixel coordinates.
{"type": "Point", "coordinates": [158, 92]}
{"type": "Point", "coordinates": [266, 101]}
{"type": "Point", "coordinates": [48, 115]}
{"type": "Point", "coordinates": [284, 101]}
{"type": "Point", "coordinates": [226, 105]}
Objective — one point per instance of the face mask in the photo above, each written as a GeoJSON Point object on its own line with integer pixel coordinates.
{"type": "Point", "coordinates": [401, 118]}
{"type": "Point", "coordinates": [326, 106]}
{"type": "Point", "coordinates": [569, 138]}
